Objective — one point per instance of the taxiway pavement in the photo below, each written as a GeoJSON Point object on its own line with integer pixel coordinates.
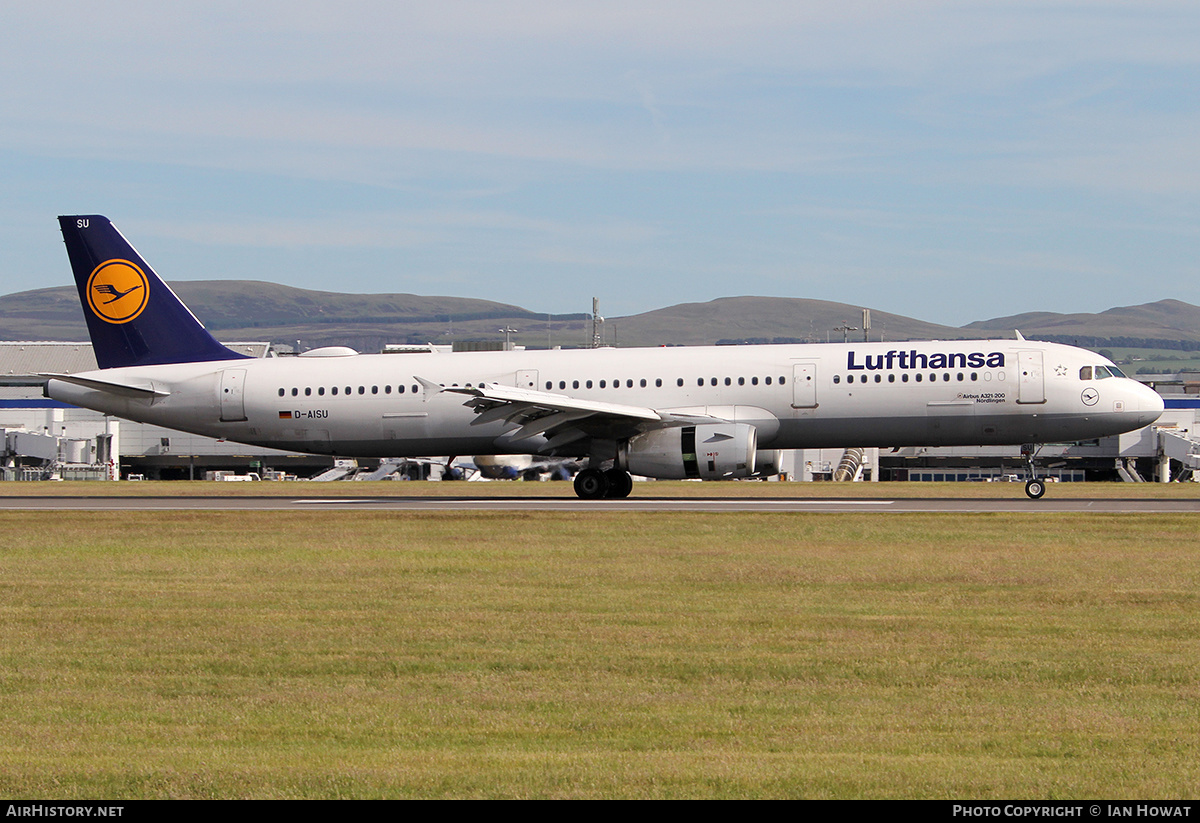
{"type": "Point", "coordinates": [633, 504]}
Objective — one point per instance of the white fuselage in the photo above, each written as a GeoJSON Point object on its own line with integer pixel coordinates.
{"type": "Point", "coordinates": [933, 393]}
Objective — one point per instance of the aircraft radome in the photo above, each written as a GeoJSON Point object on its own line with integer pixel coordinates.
{"type": "Point", "coordinates": [682, 412]}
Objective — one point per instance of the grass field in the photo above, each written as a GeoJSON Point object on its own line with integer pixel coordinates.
{"type": "Point", "coordinates": [261, 654]}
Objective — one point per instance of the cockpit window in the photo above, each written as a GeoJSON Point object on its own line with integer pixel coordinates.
{"type": "Point", "coordinates": [1117, 372]}
{"type": "Point", "coordinates": [1085, 373]}
{"type": "Point", "coordinates": [1102, 372]}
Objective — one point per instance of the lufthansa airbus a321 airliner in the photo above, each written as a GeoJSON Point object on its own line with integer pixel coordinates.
{"type": "Point", "coordinates": [687, 412]}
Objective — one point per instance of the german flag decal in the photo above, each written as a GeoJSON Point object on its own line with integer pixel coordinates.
{"type": "Point", "coordinates": [285, 415]}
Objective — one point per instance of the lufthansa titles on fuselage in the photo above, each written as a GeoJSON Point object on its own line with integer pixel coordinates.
{"type": "Point", "coordinates": [913, 359]}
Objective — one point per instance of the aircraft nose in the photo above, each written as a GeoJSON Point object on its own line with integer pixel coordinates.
{"type": "Point", "coordinates": [1150, 403]}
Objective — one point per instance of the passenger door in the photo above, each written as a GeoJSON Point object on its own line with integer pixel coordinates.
{"type": "Point", "coordinates": [233, 397]}
{"type": "Point", "coordinates": [1031, 387]}
{"type": "Point", "coordinates": [804, 385]}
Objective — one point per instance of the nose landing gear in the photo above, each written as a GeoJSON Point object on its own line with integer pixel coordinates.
{"type": "Point", "coordinates": [1034, 487]}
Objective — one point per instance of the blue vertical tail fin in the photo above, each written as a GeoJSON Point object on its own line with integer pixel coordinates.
{"type": "Point", "coordinates": [133, 317]}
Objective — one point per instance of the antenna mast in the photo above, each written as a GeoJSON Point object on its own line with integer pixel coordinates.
{"type": "Point", "coordinates": [597, 320]}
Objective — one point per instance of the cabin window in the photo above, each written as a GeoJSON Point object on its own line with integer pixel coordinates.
{"type": "Point", "coordinates": [728, 382]}
{"type": "Point", "coordinates": [603, 384]}
{"type": "Point", "coordinates": [281, 392]}
{"type": "Point", "coordinates": [714, 381]}
{"type": "Point", "coordinates": [837, 378]}
{"type": "Point", "coordinates": [892, 377]}
{"type": "Point", "coordinates": [904, 377]}
{"type": "Point", "coordinates": [658, 382]}
{"type": "Point", "coordinates": [753, 381]}
{"type": "Point", "coordinates": [295, 392]}
{"type": "Point", "coordinates": [918, 377]}
{"type": "Point", "coordinates": [960, 377]}
{"type": "Point", "coordinates": [416, 389]}
{"type": "Point", "coordinates": [400, 389]}
{"type": "Point", "coordinates": [387, 389]}
{"type": "Point", "coordinates": [699, 381]}
{"type": "Point", "coordinates": [588, 384]}
{"type": "Point", "coordinates": [321, 391]}
{"type": "Point", "coordinates": [741, 381]}
{"type": "Point", "coordinates": [348, 391]}
{"type": "Point", "coordinates": [643, 382]}
{"type": "Point", "coordinates": [768, 381]}
{"type": "Point", "coordinates": [629, 384]}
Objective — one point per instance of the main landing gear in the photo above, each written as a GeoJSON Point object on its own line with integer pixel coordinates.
{"type": "Point", "coordinates": [1034, 487]}
{"type": "Point", "coordinates": [593, 484]}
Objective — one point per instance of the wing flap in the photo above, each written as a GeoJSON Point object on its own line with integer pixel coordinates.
{"type": "Point", "coordinates": [560, 418]}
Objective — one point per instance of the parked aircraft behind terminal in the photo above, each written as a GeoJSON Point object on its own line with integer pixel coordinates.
{"type": "Point", "coordinates": [686, 412]}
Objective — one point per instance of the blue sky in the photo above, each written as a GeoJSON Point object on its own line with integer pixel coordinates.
{"type": "Point", "coordinates": [951, 161]}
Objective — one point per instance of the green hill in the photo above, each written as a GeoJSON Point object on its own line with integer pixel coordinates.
{"type": "Point", "coordinates": [1150, 325]}
{"type": "Point", "coordinates": [251, 310]}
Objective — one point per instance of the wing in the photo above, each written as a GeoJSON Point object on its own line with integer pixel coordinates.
{"type": "Point", "coordinates": [560, 418]}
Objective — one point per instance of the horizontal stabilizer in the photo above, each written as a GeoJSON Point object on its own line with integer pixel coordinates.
{"type": "Point", "coordinates": [110, 386]}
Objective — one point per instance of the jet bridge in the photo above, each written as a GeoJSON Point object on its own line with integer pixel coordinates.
{"type": "Point", "coordinates": [1176, 445]}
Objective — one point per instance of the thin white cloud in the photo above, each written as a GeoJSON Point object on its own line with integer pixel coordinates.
{"type": "Point", "coordinates": [903, 122]}
{"type": "Point", "coordinates": [396, 230]}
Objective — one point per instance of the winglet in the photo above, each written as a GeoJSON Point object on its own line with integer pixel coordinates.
{"type": "Point", "coordinates": [133, 317]}
{"type": "Point", "coordinates": [430, 387]}
{"type": "Point", "coordinates": [1019, 335]}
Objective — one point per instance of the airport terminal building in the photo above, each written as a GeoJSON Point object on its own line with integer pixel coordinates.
{"type": "Point", "coordinates": [42, 439]}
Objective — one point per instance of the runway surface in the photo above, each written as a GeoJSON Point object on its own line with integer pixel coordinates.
{"type": "Point", "coordinates": [1020, 505]}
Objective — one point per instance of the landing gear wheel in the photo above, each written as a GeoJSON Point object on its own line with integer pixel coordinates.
{"type": "Point", "coordinates": [591, 484]}
{"type": "Point", "coordinates": [620, 483]}
{"type": "Point", "coordinates": [1035, 489]}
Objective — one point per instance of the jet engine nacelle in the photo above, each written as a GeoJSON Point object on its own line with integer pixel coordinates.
{"type": "Point", "coordinates": [768, 462]}
{"type": "Point", "coordinates": [711, 451]}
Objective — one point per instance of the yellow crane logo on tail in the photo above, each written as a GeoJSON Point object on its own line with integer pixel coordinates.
{"type": "Point", "coordinates": [117, 291]}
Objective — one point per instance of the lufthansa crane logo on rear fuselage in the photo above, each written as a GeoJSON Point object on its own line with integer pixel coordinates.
{"type": "Point", "coordinates": [117, 291]}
